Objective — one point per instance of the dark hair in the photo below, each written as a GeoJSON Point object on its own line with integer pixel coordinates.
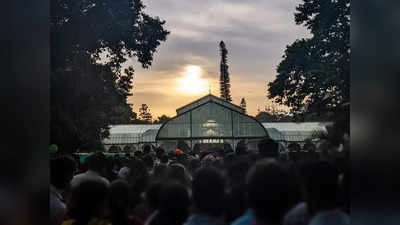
{"type": "Point", "coordinates": [268, 187]}
{"type": "Point", "coordinates": [321, 185]}
{"type": "Point", "coordinates": [152, 194]}
{"type": "Point", "coordinates": [119, 202]}
{"type": "Point", "coordinates": [96, 161]}
{"type": "Point", "coordinates": [146, 149]}
{"type": "Point", "coordinates": [160, 171]}
{"type": "Point", "coordinates": [173, 205]}
{"type": "Point", "coordinates": [149, 161]}
{"type": "Point", "coordinates": [164, 158]}
{"type": "Point", "coordinates": [241, 148]}
{"type": "Point", "coordinates": [177, 172]}
{"type": "Point", "coordinates": [88, 201]}
{"type": "Point", "coordinates": [61, 171]}
{"type": "Point", "coordinates": [159, 152]}
{"type": "Point", "coordinates": [138, 175]}
{"type": "Point", "coordinates": [208, 191]}
{"type": "Point", "coordinates": [268, 148]}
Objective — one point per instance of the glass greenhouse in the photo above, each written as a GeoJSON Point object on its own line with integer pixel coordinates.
{"type": "Point", "coordinates": [210, 121]}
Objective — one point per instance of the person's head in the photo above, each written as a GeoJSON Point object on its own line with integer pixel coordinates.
{"type": "Point", "coordinates": [89, 199]}
{"type": "Point", "coordinates": [164, 158]}
{"type": "Point", "coordinates": [241, 148]}
{"type": "Point", "coordinates": [268, 191]}
{"type": "Point", "coordinates": [237, 170]}
{"type": "Point", "coordinates": [119, 197]}
{"type": "Point", "coordinates": [159, 152]}
{"type": "Point", "coordinates": [194, 164]}
{"type": "Point", "coordinates": [148, 161]}
{"type": "Point", "coordinates": [321, 185]}
{"type": "Point", "coordinates": [152, 195]}
{"type": "Point", "coordinates": [177, 172]}
{"type": "Point", "coordinates": [208, 189]}
{"type": "Point", "coordinates": [268, 148]}
{"type": "Point", "coordinates": [146, 149]}
{"type": "Point", "coordinates": [61, 171]}
{"type": "Point", "coordinates": [138, 154]}
{"type": "Point", "coordinates": [173, 205]}
{"type": "Point", "coordinates": [138, 175]}
{"type": "Point", "coordinates": [160, 171]}
{"type": "Point", "coordinates": [97, 162]}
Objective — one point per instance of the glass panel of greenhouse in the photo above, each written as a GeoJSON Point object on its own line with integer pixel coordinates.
{"type": "Point", "coordinates": [211, 120]}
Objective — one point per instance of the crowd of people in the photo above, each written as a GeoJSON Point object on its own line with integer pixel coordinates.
{"type": "Point", "coordinates": [155, 187]}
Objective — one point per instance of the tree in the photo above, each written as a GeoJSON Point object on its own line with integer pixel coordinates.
{"type": "Point", "coordinates": [314, 75]}
{"type": "Point", "coordinates": [162, 119]}
{"type": "Point", "coordinates": [263, 117]}
{"type": "Point", "coordinates": [243, 104]}
{"type": "Point", "coordinates": [224, 74]}
{"type": "Point", "coordinates": [90, 41]}
{"type": "Point", "coordinates": [144, 113]}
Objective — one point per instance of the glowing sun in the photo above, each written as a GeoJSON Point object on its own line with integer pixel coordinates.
{"type": "Point", "coordinates": [191, 82]}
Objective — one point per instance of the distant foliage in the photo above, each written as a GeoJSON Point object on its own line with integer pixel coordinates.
{"type": "Point", "coordinates": [225, 86]}
{"type": "Point", "coordinates": [89, 42]}
{"type": "Point", "coordinates": [144, 113]}
{"type": "Point", "coordinates": [162, 119]}
{"type": "Point", "coordinates": [314, 75]}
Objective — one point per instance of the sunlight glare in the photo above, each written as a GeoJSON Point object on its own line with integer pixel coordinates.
{"type": "Point", "coordinates": [191, 83]}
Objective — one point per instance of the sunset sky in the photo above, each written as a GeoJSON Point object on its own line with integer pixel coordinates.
{"type": "Point", "coordinates": [255, 33]}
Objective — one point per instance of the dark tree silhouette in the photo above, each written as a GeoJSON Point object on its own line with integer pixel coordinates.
{"type": "Point", "coordinates": [224, 74]}
{"type": "Point", "coordinates": [162, 119]}
{"type": "Point", "coordinates": [243, 104]}
{"type": "Point", "coordinates": [314, 75]}
{"type": "Point", "coordinates": [89, 42]}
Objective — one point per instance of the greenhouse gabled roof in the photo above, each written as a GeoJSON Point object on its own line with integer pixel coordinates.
{"type": "Point", "coordinates": [208, 98]}
{"type": "Point", "coordinates": [211, 118]}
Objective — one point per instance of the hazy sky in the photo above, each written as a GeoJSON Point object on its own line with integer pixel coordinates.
{"type": "Point", "coordinates": [255, 32]}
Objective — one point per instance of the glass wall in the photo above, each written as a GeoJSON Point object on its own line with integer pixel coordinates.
{"type": "Point", "coordinates": [211, 120]}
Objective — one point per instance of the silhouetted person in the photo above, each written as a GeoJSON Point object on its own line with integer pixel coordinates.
{"type": "Point", "coordinates": [153, 200]}
{"type": "Point", "coordinates": [268, 190]}
{"type": "Point", "coordinates": [268, 148]}
{"type": "Point", "coordinates": [120, 203]}
{"type": "Point", "coordinates": [322, 193]}
{"type": "Point", "coordinates": [149, 162]}
{"type": "Point", "coordinates": [178, 173]}
{"type": "Point", "coordinates": [194, 164]}
{"type": "Point", "coordinates": [236, 198]}
{"type": "Point", "coordinates": [160, 172]}
{"type": "Point", "coordinates": [208, 190]}
{"type": "Point", "coordinates": [173, 205]}
{"type": "Point", "coordinates": [146, 149]}
{"type": "Point", "coordinates": [96, 166]}
{"type": "Point", "coordinates": [88, 203]}
{"type": "Point", "coordinates": [164, 159]}
{"type": "Point", "coordinates": [138, 175]}
{"type": "Point", "coordinates": [61, 172]}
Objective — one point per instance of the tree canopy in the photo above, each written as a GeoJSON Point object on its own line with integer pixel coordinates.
{"type": "Point", "coordinates": [90, 81]}
{"type": "Point", "coordinates": [224, 74]}
{"type": "Point", "coordinates": [243, 104]}
{"type": "Point", "coordinates": [314, 75]}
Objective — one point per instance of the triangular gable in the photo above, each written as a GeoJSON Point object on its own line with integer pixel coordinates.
{"type": "Point", "coordinates": [205, 99]}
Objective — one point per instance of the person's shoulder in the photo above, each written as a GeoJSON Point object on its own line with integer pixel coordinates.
{"type": "Point", "coordinates": [336, 217]}
{"type": "Point", "coordinates": [68, 222]}
{"type": "Point", "coordinates": [245, 219]}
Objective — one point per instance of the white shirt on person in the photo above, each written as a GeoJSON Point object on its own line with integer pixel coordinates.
{"type": "Point", "coordinates": [88, 175]}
